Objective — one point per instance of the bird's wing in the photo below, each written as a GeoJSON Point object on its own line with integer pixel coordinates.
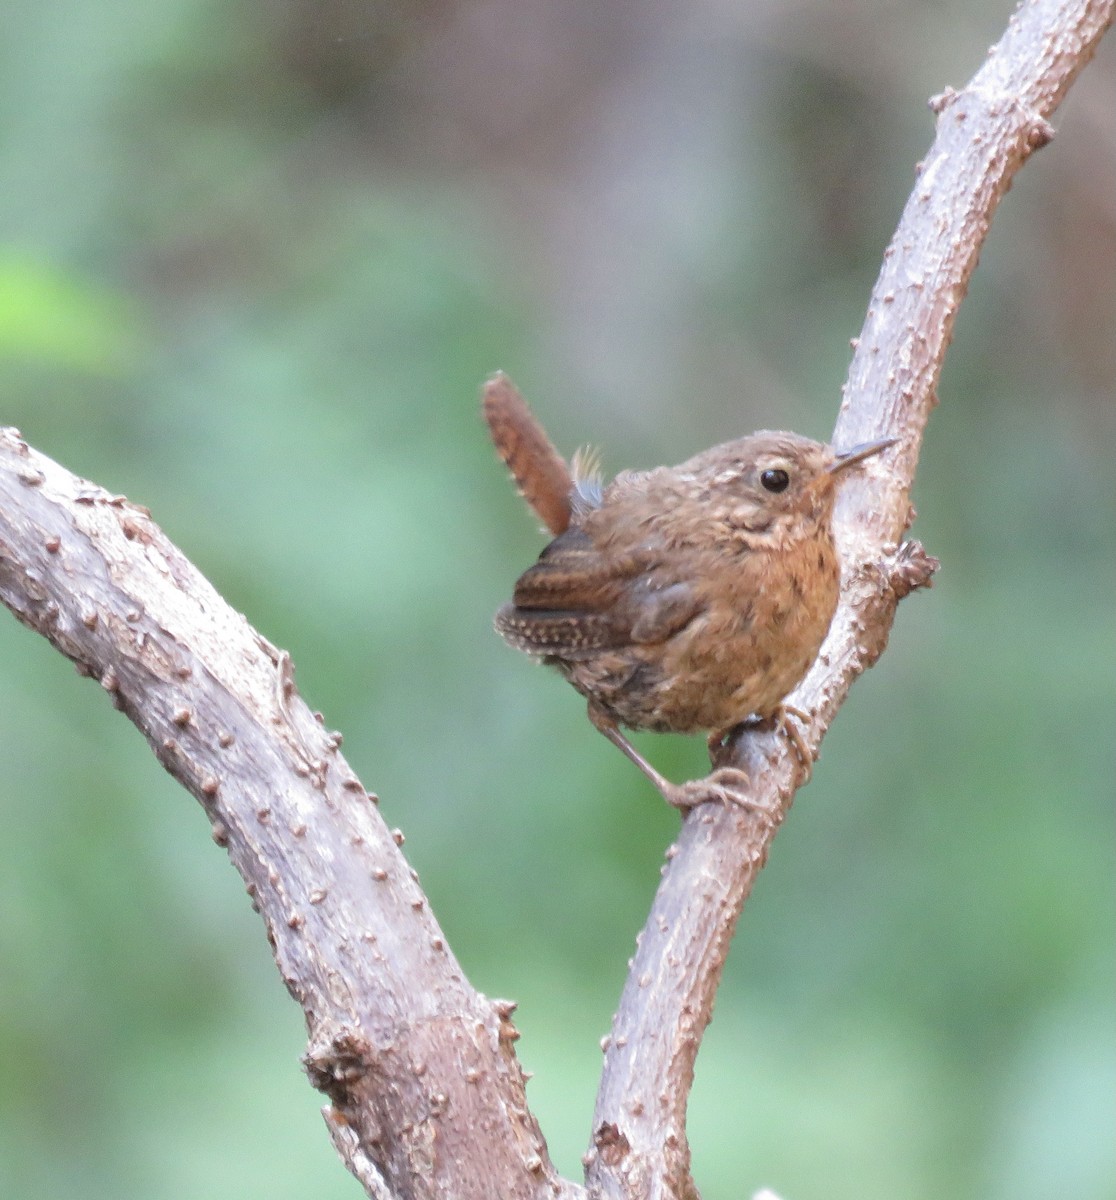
{"type": "Point", "coordinates": [577, 600]}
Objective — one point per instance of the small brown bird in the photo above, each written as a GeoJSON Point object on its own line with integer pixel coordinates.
{"type": "Point", "coordinates": [681, 599]}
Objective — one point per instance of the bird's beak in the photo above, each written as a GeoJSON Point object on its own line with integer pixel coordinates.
{"type": "Point", "coordinates": [860, 453]}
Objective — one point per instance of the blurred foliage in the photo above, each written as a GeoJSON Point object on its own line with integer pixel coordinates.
{"type": "Point", "coordinates": [255, 259]}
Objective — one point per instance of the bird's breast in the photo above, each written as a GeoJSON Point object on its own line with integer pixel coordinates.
{"type": "Point", "coordinates": [759, 626]}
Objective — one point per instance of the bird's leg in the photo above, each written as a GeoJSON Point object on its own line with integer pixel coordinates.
{"type": "Point", "coordinates": [602, 721]}
{"type": "Point", "coordinates": [726, 784]}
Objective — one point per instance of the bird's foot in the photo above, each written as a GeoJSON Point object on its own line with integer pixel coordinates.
{"type": "Point", "coordinates": [791, 721]}
{"type": "Point", "coordinates": [786, 719]}
{"type": "Point", "coordinates": [726, 785]}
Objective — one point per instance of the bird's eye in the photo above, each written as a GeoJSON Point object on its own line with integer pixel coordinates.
{"type": "Point", "coordinates": [775, 479]}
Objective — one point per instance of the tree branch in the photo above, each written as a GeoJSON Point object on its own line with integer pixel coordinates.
{"type": "Point", "coordinates": [427, 1095]}
{"type": "Point", "coordinates": [985, 133]}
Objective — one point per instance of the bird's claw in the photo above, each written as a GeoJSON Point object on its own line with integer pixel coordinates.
{"type": "Point", "coordinates": [726, 785]}
{"type": "Point", "coordinates": [791, 721]}
{"type": "Point", "coordinates": [787, 720]}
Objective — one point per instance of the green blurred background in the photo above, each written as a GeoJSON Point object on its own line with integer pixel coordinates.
{"type": "Point", "coordinates": [256, 257]}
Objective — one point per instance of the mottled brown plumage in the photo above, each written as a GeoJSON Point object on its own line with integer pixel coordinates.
{"type": "Point", "coordinates": [690, 598]}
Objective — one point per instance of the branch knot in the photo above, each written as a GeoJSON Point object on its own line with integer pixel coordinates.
{"type": "Point", "coordinates": [909, 568]}
{"type": "Point", "coordinates": [336, 1057]}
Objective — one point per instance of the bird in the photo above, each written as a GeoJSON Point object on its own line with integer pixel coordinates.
{"type": "Point", "coordinates": [680, 599]}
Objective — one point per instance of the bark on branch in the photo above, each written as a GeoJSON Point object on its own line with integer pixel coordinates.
{"type": "Point", "coordinates": [426, 1095]}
